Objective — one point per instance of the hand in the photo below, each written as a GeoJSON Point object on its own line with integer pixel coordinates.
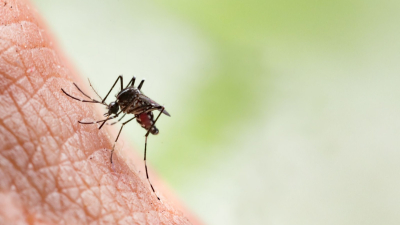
{"type": "Point", "coordinates": [54, 170]}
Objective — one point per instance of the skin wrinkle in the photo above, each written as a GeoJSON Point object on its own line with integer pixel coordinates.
{"type": "Point", "coordinates": [25, 123]}
{"type": "Point", "coordinates": [4, 46]}
{"type": "Point", "coordinates": [25, 84]}
{"type": "Point", "coordinates": [47, 124]}
{"type": "Point", "coordinates": [88, 188]}
{"type": "Point", "coordinates": [18, 108]}
{"type": "Point", "coordinates": [75, 191]}
{"type": "Point", "coordinates": [50, 147]}
{"type": "Point", "coordinates": [16, 81]}
{"type": "Point", "coordinates": [8, 144]}
{"type": "Point", "coordinates": [84, 188]}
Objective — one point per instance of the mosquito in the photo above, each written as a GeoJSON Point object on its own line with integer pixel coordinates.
{"type": "Point", "coordinates": [130, 100]}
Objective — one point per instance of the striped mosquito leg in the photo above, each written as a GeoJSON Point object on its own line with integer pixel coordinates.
{"type": "Point", "coordinates": [118, 120]}
{"type": "Point", "coordinates": [78, 99]}
{"type": "Point", "coordinates": [112, 151]}
{"type": "Point", "coordinates": [122, 87]}
{"type": "Point", "coordinates": [145, 166]}
{"type": "Point", "coordinates": [145, 151]}
{"type": "Point", "coordinates": [99, 121]}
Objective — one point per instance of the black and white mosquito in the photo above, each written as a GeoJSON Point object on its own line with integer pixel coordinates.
{"type": "Point", "coordinates": [130, 100]}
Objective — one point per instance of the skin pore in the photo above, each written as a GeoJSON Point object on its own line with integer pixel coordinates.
{"type": "Point", "coordinates": [54, 170]}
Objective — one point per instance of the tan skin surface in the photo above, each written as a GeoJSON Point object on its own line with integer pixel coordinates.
{"type": "Point", "coordinates": [54, 170]}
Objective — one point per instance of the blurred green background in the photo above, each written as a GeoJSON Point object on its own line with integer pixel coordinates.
{"type": "Point", "coordinates": [283, 112]}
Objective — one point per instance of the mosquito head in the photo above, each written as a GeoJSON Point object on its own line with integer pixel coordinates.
{"type": "Point", "coordinates": [113, 108]}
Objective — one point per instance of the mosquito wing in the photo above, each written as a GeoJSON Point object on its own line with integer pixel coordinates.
{"type": "Point", "coordinates": [151, 102]}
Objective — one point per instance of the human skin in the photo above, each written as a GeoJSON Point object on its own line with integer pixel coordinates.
{"type": "Point", "coordinates": [54, 170]}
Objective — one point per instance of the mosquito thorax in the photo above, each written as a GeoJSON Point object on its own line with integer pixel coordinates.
{"type": "Point", "coordinates": [128, 95]}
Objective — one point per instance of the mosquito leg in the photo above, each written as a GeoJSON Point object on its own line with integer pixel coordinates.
{"type": "Point", "coordinates": [145, 166]}
{"type": "Point", "coordinates": [81, 100]}
{"type": "Point", "coordinates": [99, 121]}
{"type": "Point", "coordinates": [121, 117]}
{"type": "Point", "coordinates": [84, 93]}
{"type": "Point", "coordinates": [122, 87]}
{"type": "Point", "coordinates": [141, 84]}
{"type": "Point", "coordinates": [161, 111]}
{"type": "Point", "coordinates": [112, 151]}
{"type": "Point", "coordinates": [145, 151]}
{"type": "Point", "coordinates": [118, 120]}
{"type": "Point", "coordinates": [110, 124]}
{"type": "Point", "coordinates": [132, 82]}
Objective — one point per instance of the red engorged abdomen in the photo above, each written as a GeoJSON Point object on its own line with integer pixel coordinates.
{"type": "Point", "coordinates": [145, 120]}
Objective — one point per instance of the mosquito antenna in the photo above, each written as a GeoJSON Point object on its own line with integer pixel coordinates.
{"type": "Point", "coordinates": [94, 89]}
{"type": "Point", "coordinates": [112, 117]}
